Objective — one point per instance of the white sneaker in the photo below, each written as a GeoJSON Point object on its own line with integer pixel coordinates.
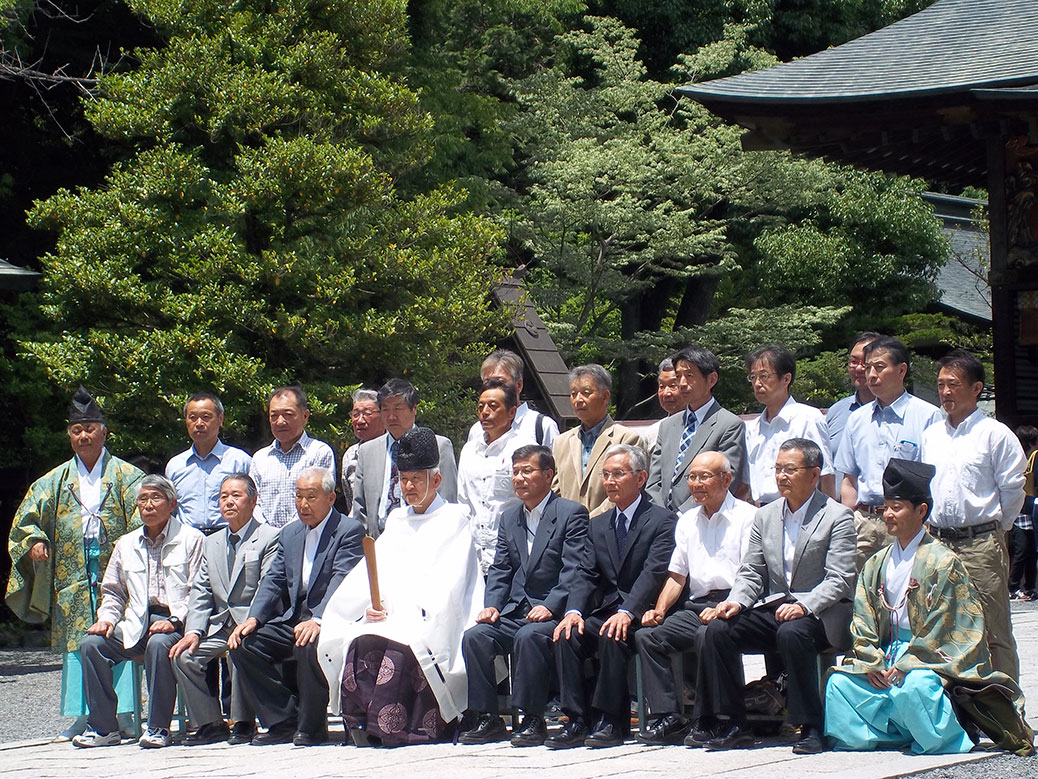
{"type": "Point", "coordinates": [155, 738]}
{"type": "Point", "coordinates": [75, 729]}
{"type": "Point", "coordinates": [94, 739]}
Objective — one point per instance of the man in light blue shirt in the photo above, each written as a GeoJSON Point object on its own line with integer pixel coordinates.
{"type": "Point", "coordinates": [838, 413]}
{"type": "Point", "coordinates": [198, 472]}
{"type": "Point", "coordinates": [892, 425]}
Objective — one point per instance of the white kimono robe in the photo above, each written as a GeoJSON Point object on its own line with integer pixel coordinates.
{"type": "Point", "coordinates": [432, 590]}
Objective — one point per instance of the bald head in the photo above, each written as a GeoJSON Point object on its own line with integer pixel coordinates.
{"type": "Point", "coordinates": [709, 477]}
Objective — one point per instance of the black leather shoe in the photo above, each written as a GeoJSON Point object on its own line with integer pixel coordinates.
{"type": "Point", "coordinates": [242, 733]}
{"type": "Point", "coordinates": [668, 729]}
{"type": "Point", "coordinates": [210, 733]}
{"type": "Point", "coordinates": [303, 738]}
{"type": "Point", "coordinates": [702, 731]}
{"type": "Point", "coordinates": [572, 735]}
{"type": "Point", "coordinates": [282, 733]}
{"type": "Point", "coordinates": [531, 733]}
{"type": "Point", "coordinates": [606, 734]}
{"type": "Point", "coordinates": [811, 742]}
{"type": "Point", "coordinates": [488, 728]}
{"type": "Point", "coordinates": [732, 737]}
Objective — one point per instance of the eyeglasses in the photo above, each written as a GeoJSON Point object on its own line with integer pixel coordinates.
{"type": "Point", "coordinates": [144, 500]}
{"type": "Point", "coordinates": [790, 470]}
{"type": "Point", "coordinates": [363, 413]}
{"type": "Point", "coordinates": [854, 362]}
{"type": "Point", "coordinates": [762, 377]}
{"type": "Point", "coordinates": [526, 473]}
{"type": "Point", "coordinates": [701, 477]}
{"type": "Point", "coordinates": [614, 475]}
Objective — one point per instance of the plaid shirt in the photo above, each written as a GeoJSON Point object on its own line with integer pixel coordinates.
{"type": "Point", "coordinates": [275, 472]}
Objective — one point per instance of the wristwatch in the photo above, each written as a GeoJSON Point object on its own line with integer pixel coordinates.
{"type": "Point", "coordinates": [176, 623]}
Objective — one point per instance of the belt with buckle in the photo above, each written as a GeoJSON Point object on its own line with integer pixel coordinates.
{"type": "Point", "coordinates": [963, 533]}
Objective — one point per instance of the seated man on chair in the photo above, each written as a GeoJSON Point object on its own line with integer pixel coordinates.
{"type": "Point", "coordinates": [236, 558]}
{"type": "Point", "coordinates": [313, 557]}
{"type": "Point", "coordinates": [540, 546]}
{"type": "Point", "coordinates": [144, 602]}
{"type": "Point", "coordinates": [791, 596]}
{"type": "Point", "coordinates": [624, 569]}
{"type": "Point", "coordinates": [709, 543]}
{"type": "Point", "coordinates": [918, 625]}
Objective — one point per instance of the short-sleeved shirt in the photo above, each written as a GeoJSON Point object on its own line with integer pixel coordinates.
{"type": "Point", "coordinates": [198, 479]}
{"type": "Point", "coordinates": [275, 472]}
{"type": "Point", "coordinates": [763, 439]}
{"type": "Point", "coordinates": [708, 550]}
{"type": "Point", "coordinates": [875, 433]}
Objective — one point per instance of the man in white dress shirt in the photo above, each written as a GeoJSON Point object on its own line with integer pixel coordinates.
{"type": "Point", "coordinates": [709, 543]}
{"type": "Point", "coordinates": [508, 366]}
{"type": "Point", "coordinates": [485, 467]}
{"type": "Point", "coordinates": [770, 371]}
{"type": "Point", "coordinates": [892, 425]}
{"type": "Point", "coordinates": [978, 491]}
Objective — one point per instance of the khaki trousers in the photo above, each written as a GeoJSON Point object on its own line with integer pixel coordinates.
{"type": "Point", "coordinates": [872, 536]}
{"type": "Point", "coordinates": [987, 563]}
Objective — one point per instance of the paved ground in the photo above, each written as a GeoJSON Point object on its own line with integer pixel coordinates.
{"type": "Point", "coordinates": [28, 702]}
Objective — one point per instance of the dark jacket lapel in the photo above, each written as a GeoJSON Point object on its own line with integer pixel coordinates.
{"type": "Point", "coordinates": [544, 531]}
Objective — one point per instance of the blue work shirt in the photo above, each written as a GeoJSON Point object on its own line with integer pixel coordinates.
{"type": "Point", "coordinates": [198, 479]}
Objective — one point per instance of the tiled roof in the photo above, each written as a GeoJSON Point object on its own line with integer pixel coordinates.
{"type": "Point", "coordinates": [952, 46]}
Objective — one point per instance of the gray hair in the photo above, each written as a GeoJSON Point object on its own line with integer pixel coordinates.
{"type": "Point", "coordinates": [510, 361]}
{"type": "Point", "coordinates": [244, 478]}
{"type": "Point", "coordinates": [365, 394]}
{"type": "Point", "coordinates": [666, 364]}
{"type": "Point", "coordinates": [158, 482]}
{"type": "Point", "coordinates": [636, 456]}
{"type": "Point", "coordinates": [327, 479]}
{"type": "Point", "coordinates": [808, 449]}
{"type": "Point", "coordinates": [598, 374]}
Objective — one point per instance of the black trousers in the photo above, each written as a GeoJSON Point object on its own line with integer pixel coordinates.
{"type": "Point", "coordinates": [611, 695]}
{"type": "Point", "coordinates": [1022, 559]}
{"type": "Point", "coordinates": [276, 699]}
{"type": "Point", "coordinates": [681, 631]}
{"type": "Point", "coordinates": [719, 682]}
{"type": "Point", "coordinates": [532, 671]}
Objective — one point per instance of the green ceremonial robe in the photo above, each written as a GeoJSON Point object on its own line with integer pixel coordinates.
{"type": "Point", "coordinates": [944, 616]}
{"type": "Point", "coordinates": [58, 587]}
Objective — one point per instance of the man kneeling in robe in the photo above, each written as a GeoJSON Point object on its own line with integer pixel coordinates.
{"type": "Point", "coordinates": [397, 673]}
{"type": "Point", "coordinates": [917, 626]}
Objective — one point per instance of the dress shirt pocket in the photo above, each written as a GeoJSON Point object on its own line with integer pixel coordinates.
{"type": "Point", "coordinates": [971, 473]}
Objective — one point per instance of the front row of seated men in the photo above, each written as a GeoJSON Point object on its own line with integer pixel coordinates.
{"type": "Point", "coordinates": [723, 580]}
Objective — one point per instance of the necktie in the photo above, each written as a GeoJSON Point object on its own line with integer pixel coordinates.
{"type": "Point", "coordinates": [621, 532]}
{"type": "Point", "coordinates": [232, 550]}
{"type": "Point", "coordinates": [686, 439]}
{"type": "Point", "coordinates": [394, 480]}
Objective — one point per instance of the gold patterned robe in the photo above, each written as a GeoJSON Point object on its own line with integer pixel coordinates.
{"type": "Point", "coordinates": [58, 587]}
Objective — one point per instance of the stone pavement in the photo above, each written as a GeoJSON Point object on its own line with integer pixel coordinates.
{"type": "Point", "coordinates": [42, 760]}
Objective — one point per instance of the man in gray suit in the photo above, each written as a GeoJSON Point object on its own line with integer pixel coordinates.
{"type": "Point", "coordinates": [703, 426]}
{"type": "Point", "coordinates": [378, 481]}
{"type": "Point", "coordinates": [791, 595]}
{"type": "Point", "coordinates": [235, 560]}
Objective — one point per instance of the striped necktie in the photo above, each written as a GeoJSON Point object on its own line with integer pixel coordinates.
{"type": "Point", "coordinates": [686, 439]}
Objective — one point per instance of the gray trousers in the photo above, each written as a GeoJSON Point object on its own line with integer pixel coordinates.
{"type": "Point", "coordinates": [203, 707]}
{"type": "Point", "coordinates": [99, 654]}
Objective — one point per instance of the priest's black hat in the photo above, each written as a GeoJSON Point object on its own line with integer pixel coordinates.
{"type": "Point", "coordinates": [84, 408]}
{"type": "Point", "coordinates": [417, 450]}
{"type": "Point", "coordinates": [908, 480]}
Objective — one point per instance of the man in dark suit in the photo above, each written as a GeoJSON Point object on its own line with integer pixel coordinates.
{"type": "Point", "coordinates": [313, 557]}
{"type": "Point", "coordinates": [791, 595]}
{"type": "Point", "coordinates": [623, 570]}
{"type": "Point", "coordinates": [377, 477]}
{"type": "Point", "coordinates": [703, 426]}
{"type": "Point", "coordinates": [540, 547]}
